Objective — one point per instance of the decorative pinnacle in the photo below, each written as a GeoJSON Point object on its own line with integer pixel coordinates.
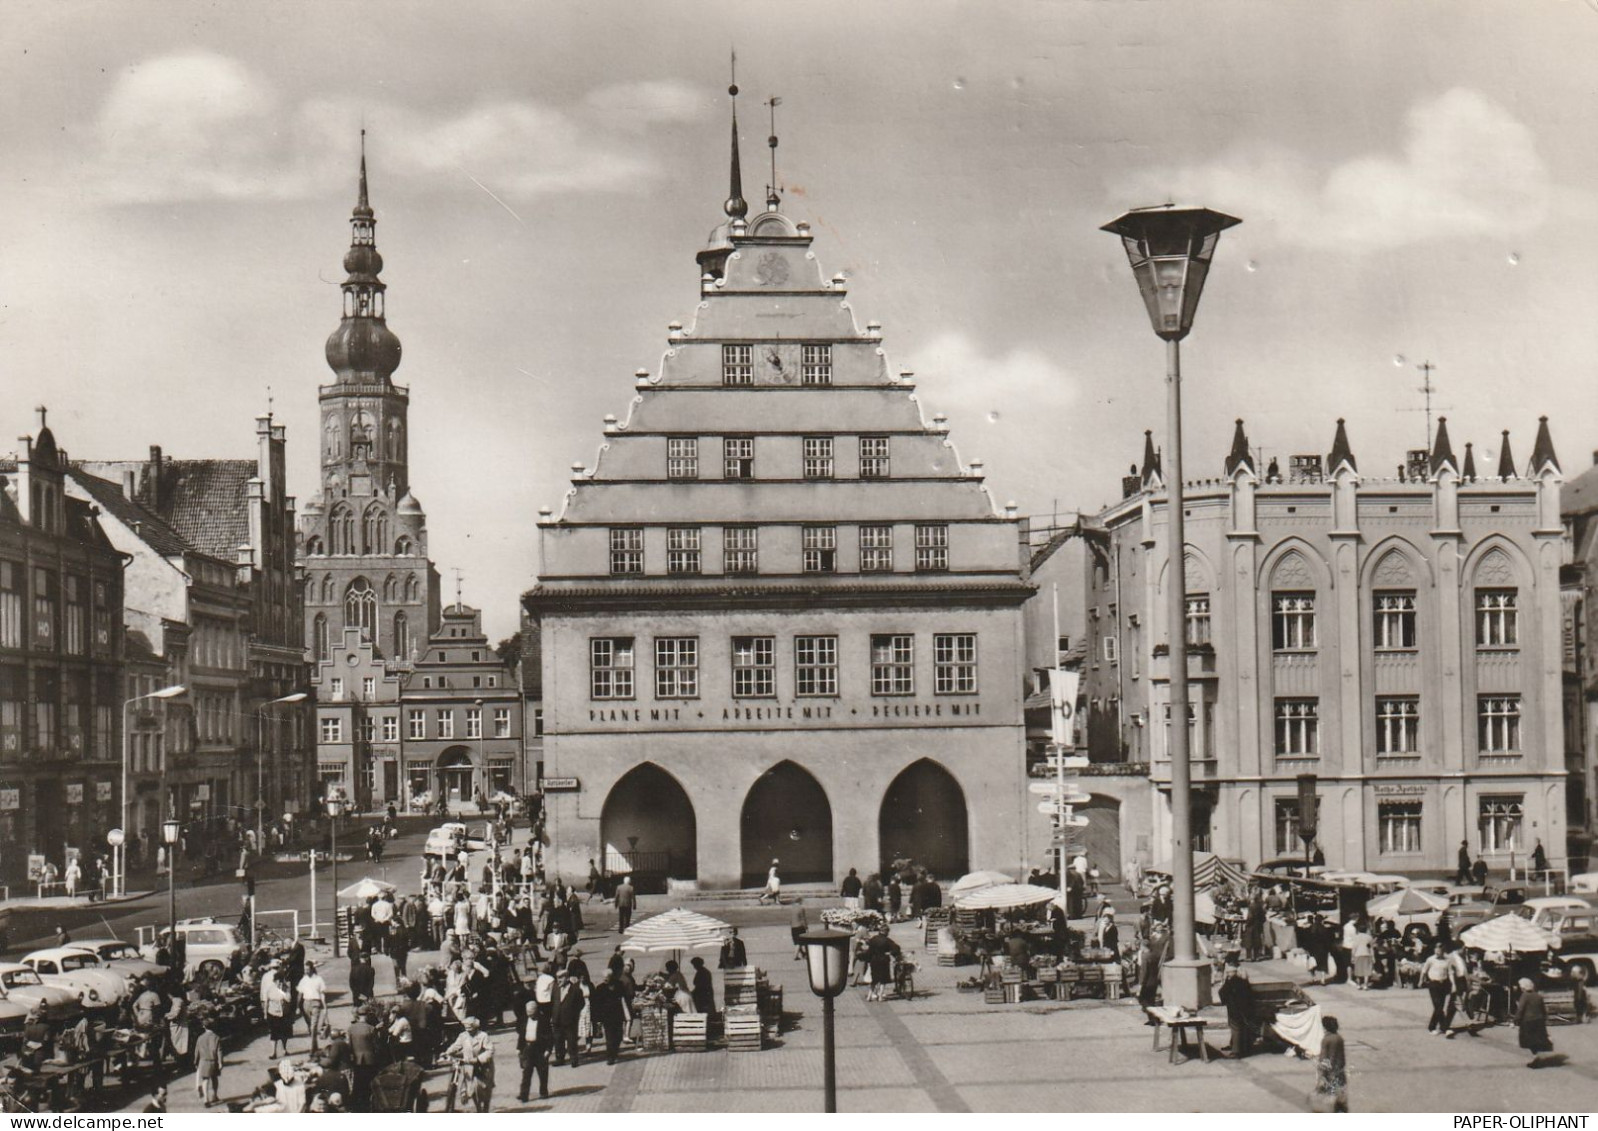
{"type": "Point", "coordinates": [362, 206]}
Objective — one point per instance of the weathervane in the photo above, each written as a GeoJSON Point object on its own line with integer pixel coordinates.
{"type": "Point", "coordinates": [772, 199]}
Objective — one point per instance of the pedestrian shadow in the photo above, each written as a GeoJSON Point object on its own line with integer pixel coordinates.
{"type": "Point", "coordinates": [576, 1090]}
{"type": "Point", "coordinates": [1555, 1060]}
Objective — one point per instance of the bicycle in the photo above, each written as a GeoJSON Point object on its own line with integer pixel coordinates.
{"type": "Point", "coordinates": [904, 979]}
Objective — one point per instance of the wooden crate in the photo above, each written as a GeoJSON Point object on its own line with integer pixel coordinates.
{"type": "Point", "coordinates": [744, 1031]}
{"type": "Point", "coordinates": [691, 1031]}
{"type": "Point", "coordinates": [993, 995]}
{"type": "Point", "coordinates": [741, 976]}
{"type": "Point", "coordinates": [656, 1021]}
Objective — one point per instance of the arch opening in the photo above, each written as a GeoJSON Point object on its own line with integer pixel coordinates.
{"type": "Point", "coordinates": [648, 829]}
{"type": "Point", "coordinates": [787, 817]}
{"type": "Point", "coordinates": [923, 818]}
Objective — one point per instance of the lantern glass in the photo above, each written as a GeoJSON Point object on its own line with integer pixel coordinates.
{"type": "Point", "coordinates": [333, 806]}
{"type": "Point", "coordinates": [1170, 250]}
{"type": "Point", "coordinates": [827, 960]}
{"type": "Point", "coordinates": [169, 831]}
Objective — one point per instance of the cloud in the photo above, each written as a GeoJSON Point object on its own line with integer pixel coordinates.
{"type": "Point", "coordinates": [201, 126]}
{"type": "Point", "coordinates": [1467, 167]}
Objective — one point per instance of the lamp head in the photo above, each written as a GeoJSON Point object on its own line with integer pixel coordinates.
{"type": "Point", "coordinates": [1170, 248]}
{"type": "Point", "coordinates": [296, 697]}
{"type": "Point", "coordinates": [170, 831]}
{"type": "Point", "coordinates": [169, 692]}
{"type": "Point", "coordinates": [826, 960]}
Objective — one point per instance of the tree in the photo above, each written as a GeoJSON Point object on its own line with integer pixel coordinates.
{"type": "Point", "coordinates": [510, 649]}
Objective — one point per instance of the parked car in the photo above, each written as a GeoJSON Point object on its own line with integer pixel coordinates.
{"type": "Point", "coordinates": [1284, 866]}
{"type": "Point", "coordinates": [1494, 900]}
{"type": "Point", "coordinates": [97, 986]}
{"type": "Point", "coordinates": [123, 957]}
{"type": "Point", "coordinates": [1542, 909]}
{"type": "Point", "coordinates": [23, 986]}
{"type": "Point", "coordinates": [1378, 883]}
{"type": "Point", "coordinates": [1585, 883]}
{"type": "Point", "coordinates": [1576, 940]}
{"type": "Point", "coordinates": [208, 945]}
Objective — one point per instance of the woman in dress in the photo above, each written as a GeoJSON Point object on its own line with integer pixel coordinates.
{"type": "Point", "coordinates": [275, 1004]}
{"type": "Point", "coordinates": [1531, 1015]}
{"type": "Point", "coordinates": [1331, 1071]}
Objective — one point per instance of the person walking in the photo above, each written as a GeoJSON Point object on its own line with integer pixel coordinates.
{"type": "Point", "coordinates": [609, 1009]}
{"type": "Point", "coordinates": [275, 1006]}
{"type": "Point", "coordinates": [208, 1062]}
{"type": "Point", "coordinates": [1237, 995]}
{"type": "Point", "coordinates": [704, 987]}
{"type": "Point", "coordinates": [473, 1067]}
{"type": "Point", "coordinates": [1531, 1018]}
{"type": "Point", "coordinates": [367, 1056]}
{"type": "Point", "coordinates": [626, 903]}
{"type": "Point", "coordinates": [850, 890]}
{"type": "Point", "coordinates": [568, 1016]}
{"type": "Point", "coordinates": [532, 1049]}
{"type": "Point", "coordinates": [1331, 1071]}
{"type": "Point", "coordinates": [773, 890]}
{"type": "Point", "coordinates": [1462, 867]}
{"type": "Point", "coordinates": [74, 874]}
{"type": "Point", "coordinates": [1437, 975]}
{"type": "Point", "coordinates": [797, 926]}
{"type": "Point", "coordinates": [733, 954]}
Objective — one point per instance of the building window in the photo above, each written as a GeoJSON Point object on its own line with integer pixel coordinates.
{"type": "Point", "coordinates": [677, 667]}
{"type": "Point", "coordinates": [932, 547]}
{"type": "Point", "coordinates": [815, 365]}
{"type": "Point", "coordinates": [682, 549]}
{"type": "Point", "coordinates": [626, 550]}
{"type": "Point", "coordinates": [445, 720]}
{"type": "Point", "coordinates": [13, 700]}
{"type": "Point", "coordinates": [1293, 622]}
{"type": "Point", "coordinates": [474, 722]}
{"type": "Point", "coordinates": [77, 634]}
{"type": "Point", "coordinates": [738, 457]}
{"type": "Point", "coordinates": [876, 549]}
{"type": "Point", "coordinates": [737, 365]}
{"type": "Point", "coordinates": [538, 722]}
{"type": "Point", "coordinates": [1111, 649]}
{"type": "Point", "coordinates": [390, 728]}
{"type": "Point", "coordinates": [682, 457]}
{"type": "Point", "coordinates": [1288, 842]}
{"type": "Point", "coordinates": [1497, 625]}
{"type": "Point", "coordinates": [332, 730]}
{"type": "Point", "coordinates": [337, 688]}
{"type": "Point", "coordinates": [368, 688]}
{"type": "Point", "coordinates": [1298, 728]}
{"type": "Point", "coordinates": [754, 667]}
{"type": "Point", "coordinates": [1498, 822]}
{"type": "Point", "coordinates": [416, 723]}
{"type": "Point", "coordinates": [402, 636]}
{"type": "Point", "coordinates": [818, 457]}
{"type": "Point", "coordinates": [740, 549]}
{"type": "Point", "coordinates": [1398, 726]}
{"type": "Point", "coordinates": [44, 608]}
{"type": "Point", "coordinates": [360, 607]}
{"type": "Point", "coordinates": [501, 722]}
{"type": "Point", "coordinates": [368, 727]}
{"type": "Point", "coordinates": [103, 622]}
{"type": "Point", "coordinates": [820, 549]}
{"type": "Point", "coordinates": [1395, 622]}
{"type": "Point", "coordinates": [1498, 724]}
{"type": "Point", "coordinates": [874, 457]}
{"type": "Point", "coordinates": [610, 662]}
{"type": "Point", "coordinates": [815, 660]}
{"type": "Point", "coordinates": [893, 664]}
{"type": "Point", "coordinates": [10, 605]}
{"type": "Point", "coordinates": [1198, 619]}
{"type": "Point", "coordinates": [954, 663]}
{"type": "Point", "coordinates": [1399, 822]}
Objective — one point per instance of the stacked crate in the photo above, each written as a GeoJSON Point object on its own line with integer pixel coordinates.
{"type": "Point", "coordinates": [741, 986]}
{"type": "Point", "coordinates": [1068, 979]}
{"type": "Point", "coordinates": [1113, 981]}
{"type": "Point", "coordinates": [744, 1031]}
{"type": "Point", "coordinates": [656, 1020]}
{"type": "Point", "coordinates": [691, 1031]}
{"type": "Point", "coordinates": [769, 999]}
{"type": "Point", "coordinates": [1011, 979]}
{"type": "Point", "coordinates": [936, 917]}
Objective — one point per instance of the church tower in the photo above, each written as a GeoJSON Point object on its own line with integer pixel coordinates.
{"type": "Point", "coordinates": [363, 537]}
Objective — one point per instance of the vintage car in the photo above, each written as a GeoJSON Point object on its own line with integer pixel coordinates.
{"type": "Point", "coordinates": [209, 945]}
{"type": "Point", "coordinates": [23, 986]}
{"type": "Point", "coordinates": [81, 971]}
{"type": "Point", "coordinates": [1542, 909]}
{"type": "Point", "coordinates": [1576, 940]}
{"type": "Point", "coordinates": [123, 957]}
{"type": "Point", "coordinates": [1493, 901]}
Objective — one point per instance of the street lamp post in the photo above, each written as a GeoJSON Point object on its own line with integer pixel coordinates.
{"type": "Point", "coordinates": [170, 829]}
{"type": "Point", "coordinates": [334, 804]}
{"type": "Point", "coordinates": [827, 960]}
{"type": "Point", "coordinates": [1170, 249]}
{"type": "Point", "coordinates": [260, 766]}
{"type": "Point", "coordinates": [121, 850]}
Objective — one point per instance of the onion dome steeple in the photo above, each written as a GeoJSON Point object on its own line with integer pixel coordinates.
{"type": "Point", "coordinates": [363, 350]}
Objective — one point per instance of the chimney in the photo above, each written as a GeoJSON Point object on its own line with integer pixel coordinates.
{"type": "Point", "coordinates": [130, 487]}
{"type": "Point", "coordinates": [155, 477]}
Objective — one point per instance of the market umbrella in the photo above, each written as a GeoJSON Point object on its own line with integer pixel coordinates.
{"type": "Point", "coordinates": [1506, 933]}
{"type": "Point", "coordinates": [976, 881]}
{"type": "Point", "coordinates": [677, 929]}
{"type": "Point", "coordinates": [1405, 902]}
{"type": "Point", "coordinates": [366, 887]}
{"type": "Point", "coordinates": [1204, 908]}
{"type": "Point", "coordinates": [998, 897]}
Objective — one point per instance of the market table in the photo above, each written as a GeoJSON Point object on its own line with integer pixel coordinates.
{"type": "Point", "coordinates": [1169, 1017]}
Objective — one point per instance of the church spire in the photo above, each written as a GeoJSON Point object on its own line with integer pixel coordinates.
{"type": "Point", "coordinates": [736, 207]}
{"type": "Point", "coordinates": [1442, 450]}
{"type": "Point", "coordinates": [1238, 456]}
{"type": "Point", "coordinates": [1506, 461]}
{"type": "Point", "coordinates": [1341, 452]}
{"type": "Point", "coordinates": [1542, 451]}
{"type": "Point", "coordinates": [363, 350]}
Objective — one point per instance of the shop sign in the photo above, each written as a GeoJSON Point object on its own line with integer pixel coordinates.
{"type": "Point", "coordinates": [202, 792]}
{"type": "Point", "coordinates": [1400, 791]}
{"type": "Point", "coordinates": [10, 799]}
{"type": "Point", "coordinates": [75, 793]}
{"type": "Point", "coordinates": [35, 869]}
{"type": "Point", "coordinates": [102, 791]}
{"type": "Point", "coordinates": [559, 785]}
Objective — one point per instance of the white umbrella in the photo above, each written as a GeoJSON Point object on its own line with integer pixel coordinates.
{"type": "Point", "coordinates": [1405, 901]}
{"type": "Point", "coordinates": [1507, 933]}
{"type": "Point", "coordinates": [366, 887]}
{"type": "Point", "coordinates": [677, 929]}
{"type": "Point", "coordinates": [998, 897]}
{"type": "Point", "coordinates": [976, 881]}
{"type": "Point", "coordinates": [1204, 908]}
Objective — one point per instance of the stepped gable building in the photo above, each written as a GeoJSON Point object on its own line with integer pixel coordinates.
{"type": "Point", "coordinates": [60, 665]}
{"type": "Point", "coordinates": [363, 536]}
{"type": "Point", "coordinates": [462, 715]}
{"type": "Point", "coordinates": [212, 592]}
{"type": "Point", "coordinates": [780, 618]}
{"type": "Point", "coordinates": [1397, 637]}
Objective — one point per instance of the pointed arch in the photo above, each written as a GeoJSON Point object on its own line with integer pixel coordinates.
{"type": "Point", "coordinates": [413, 590]}
{"type": "Point", "coordinates": [319, 637]}
{"type": "Point", "coordinates": [1388, 560]}
{"type": "Point", "coordinates": [341, 529]}
{"type": "Point", "coordinates": [360, 607]}
{"type": "Point", "coordinates": [402, 636]}
{"type": "Point", "coordinates": [333, 439]}
{"type": "Point", "coordinates": [1200, 571]}
{"type": "Point", "coordinates": [374, 529]}
{"type": "Point", "coordinates": [396, 440]}
{"type": "Point", "coordinates": [1309, 571]}
{"type": "Point", "coordinates": [313, 546]}
{"type": "Point", "coordinates": [390, 589]}
{"type": "Point", "coordinates": [648, 829]}
{"type": "Point", "coordinates": [402, 547]}
{"type": "Point", "coordinates": [923, 817]}
{"type": "Point", "coordinates": [327, 589]}
{"type": "Point", "coordinates": [787, 817]}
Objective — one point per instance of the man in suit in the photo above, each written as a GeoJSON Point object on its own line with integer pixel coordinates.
{"type": "Point", "coordinates": [733, 956]}
{"type": "Point", "coordinates": [368, 1058]}
{"type": "Point", "coordinates": [534, 1033]}
{"type": "Point", "coordinates": [608, 1007]}
{"type": "Point", "coordinates": [568, 1014]}
{"type": "Point", "coordinates": [626, 901]}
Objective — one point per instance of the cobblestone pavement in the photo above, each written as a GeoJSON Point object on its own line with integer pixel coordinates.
{"type": "Point", "coordinates": [948, 1051]}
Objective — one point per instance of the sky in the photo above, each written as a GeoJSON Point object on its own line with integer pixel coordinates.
{"type": "Point", "coordinates": [1418, 181]}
